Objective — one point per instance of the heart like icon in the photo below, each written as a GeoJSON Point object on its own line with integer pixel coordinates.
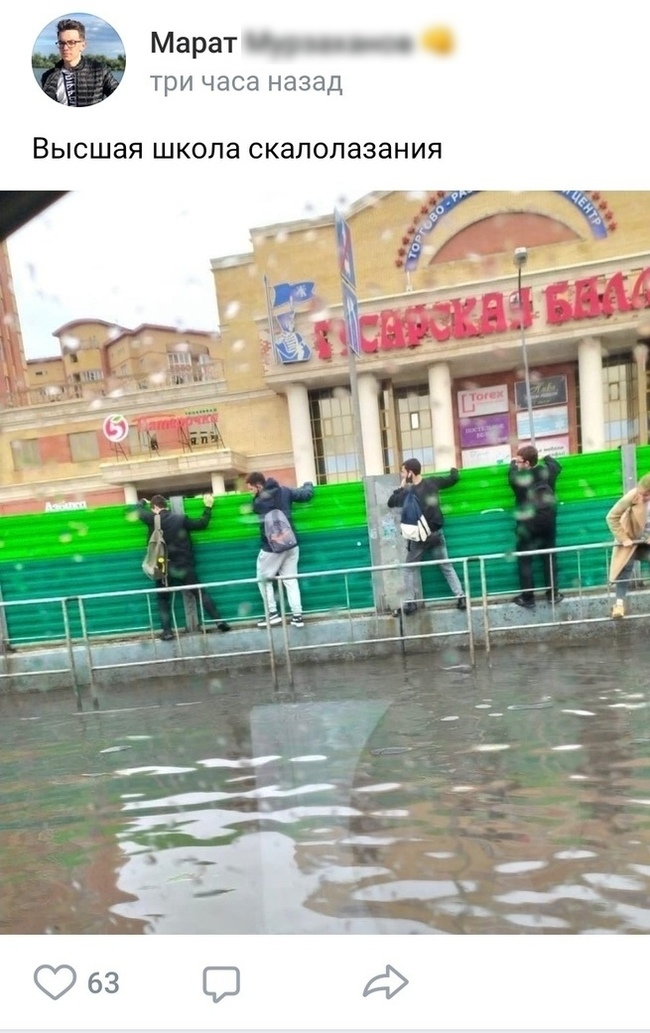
{"type": "Point", "coordinates": [55, 982]}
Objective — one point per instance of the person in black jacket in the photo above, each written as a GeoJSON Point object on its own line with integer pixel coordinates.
{"type": "Point", "coordinates": [268, 494]}
{"type": "Point", "coordinates": [76, 81]}
{"type": "Point", "coordinates": [426, 489]}
{"type": "Point", "coordinates": [181, 567]}
{"type": "Point", "coordinates": [533, 485]}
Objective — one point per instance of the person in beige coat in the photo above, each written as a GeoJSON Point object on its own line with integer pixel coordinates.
{"type": "Point", "coordinates": [629, 522]}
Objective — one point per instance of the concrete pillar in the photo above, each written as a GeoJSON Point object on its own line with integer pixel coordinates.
{"type": "Point", "coordinates": [592, 407]}
{"type": "Point", "coordinates": [130, 494]}
{"type": "Point", "coordinates": [387, 547]}
{"type": "Point", "coordinates": [629, 476]}
{"type": "Point", "coordinates": [442, 416]}
{"type": "Point", "coordinates": [301, 439]}
{"type": "Point", "coordinates": [641, 359]}
{"type": "Point", "coordinates": [217, 484]}
{"type": "Point", "coordinates": [368, 387]}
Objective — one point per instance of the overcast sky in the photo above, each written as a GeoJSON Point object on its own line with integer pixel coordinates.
{"type": "Point", "coordinates": [133, 258]}
{"type": "Point", "coordinates": [101, 38]}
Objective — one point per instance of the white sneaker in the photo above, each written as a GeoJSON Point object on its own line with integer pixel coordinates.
{"type": "Point", "coordinates": [274, 618]}
{"type": "Point", "coordinates": [297, 621]}
{"type": "Point", "coordinates": [618, 610]}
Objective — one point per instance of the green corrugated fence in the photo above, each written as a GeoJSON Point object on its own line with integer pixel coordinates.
{"type": "Point", "coordinates": [100, 550]}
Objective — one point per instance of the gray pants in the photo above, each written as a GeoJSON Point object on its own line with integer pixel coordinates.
{"type": "Point", "coordinates": [285, 566]}
{"type": "Point", "coordinates": [437, 548]}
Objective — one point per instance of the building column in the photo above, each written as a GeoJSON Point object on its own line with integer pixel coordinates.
{"type": "Point", "coordinates": [301, 439]}
{"type": "Point", "coordinates": [641, 359]}
{"type": "Point", "coordinates": [217, 484]}
{"type": "Point", "coordinates": [592, 408]}
{"type": "Point", "coordinates": [368, 387]}
{"type": "Point", "coordinates": [130, 494]}
{"type": "Point", "coordinates": [442, 416]}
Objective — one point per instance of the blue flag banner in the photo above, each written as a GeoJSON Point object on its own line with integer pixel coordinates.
{"type": "Point", "coordinates": [292, 293]}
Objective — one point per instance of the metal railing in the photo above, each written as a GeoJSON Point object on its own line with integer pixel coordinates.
{"type": "Point", "coordinates": [576, 592]}
{"type": "Point", "coordinates": [88, 653]}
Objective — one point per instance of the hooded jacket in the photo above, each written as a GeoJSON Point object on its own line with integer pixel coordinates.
{"type": "Point", "coordinates": [275, 496]}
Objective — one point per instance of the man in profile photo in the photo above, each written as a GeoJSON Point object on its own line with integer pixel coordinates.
{"type": "Point", "coordinates": [76, 80]}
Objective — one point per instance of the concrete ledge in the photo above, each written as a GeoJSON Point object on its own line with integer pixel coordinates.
{"type": "Point", "coordinates": [120, 661]}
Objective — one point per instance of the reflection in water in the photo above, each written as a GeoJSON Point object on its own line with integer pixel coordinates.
{"type": "Point", "coordinates": [399, 796]}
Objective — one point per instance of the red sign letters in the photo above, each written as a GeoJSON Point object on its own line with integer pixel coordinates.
{"type": "Point", "coordinates": [491, 313]}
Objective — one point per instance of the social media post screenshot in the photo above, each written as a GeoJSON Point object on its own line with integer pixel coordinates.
{"type": "Point", "coordinates": [323, 524]}
{"type": "Point", "coordinates": [295, 94]}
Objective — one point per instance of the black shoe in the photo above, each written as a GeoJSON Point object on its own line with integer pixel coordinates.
{"type": "Point", "coordinates": [461, 603]}
{"type": "Point", "coordinates": [527, 604]}
{"type": "Point", "coordinates": [557, 598]}
{"type": "Point", "coordinates": [167, 635]}
{"type": "Point", "coordinates": [407, 610]}
{"type": "Point", "coordinates": [274, 619]}
{"type": "Point", "coordinates": [222, 626]}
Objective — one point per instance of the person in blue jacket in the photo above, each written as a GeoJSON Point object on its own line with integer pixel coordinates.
{"type": "Point", "coordinates": [269, 495]}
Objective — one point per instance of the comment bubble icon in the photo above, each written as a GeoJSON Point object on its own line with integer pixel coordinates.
{"type": "Point", "coordinates": [220, 981]}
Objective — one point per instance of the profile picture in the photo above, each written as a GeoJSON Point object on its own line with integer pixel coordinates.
{"type": "Point", "coordinates": [78, 60]}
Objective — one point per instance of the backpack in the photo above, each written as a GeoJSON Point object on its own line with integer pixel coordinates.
{"type": "Point", "coordinates": [278, 531]}
{"type": "Point", "coordinates": [155, 562]}
{"type": "Point", "coordinates": [414, 525]}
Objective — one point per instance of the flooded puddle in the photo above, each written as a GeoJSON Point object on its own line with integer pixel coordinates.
{"type": "Point", "coordinates": [391, 796]}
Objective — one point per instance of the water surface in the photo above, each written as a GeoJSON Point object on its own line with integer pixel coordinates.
{"type": "Point", "coordinates": [410, 795]}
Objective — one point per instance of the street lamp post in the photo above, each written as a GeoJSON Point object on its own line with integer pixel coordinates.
{"type": "Point", "coordinates": [520, 259]}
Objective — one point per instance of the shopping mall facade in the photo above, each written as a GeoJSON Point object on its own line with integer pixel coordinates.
{"type": "Point", "coordinates": [444, 325]}
{"type": "Point", "coordinates": [442, 334]}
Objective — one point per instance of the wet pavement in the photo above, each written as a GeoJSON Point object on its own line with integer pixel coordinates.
{"type": "Point", "coordinates": [402, 795]}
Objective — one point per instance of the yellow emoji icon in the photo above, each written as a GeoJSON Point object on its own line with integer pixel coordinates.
{"type": "Point", "coordinates": [438, 40]}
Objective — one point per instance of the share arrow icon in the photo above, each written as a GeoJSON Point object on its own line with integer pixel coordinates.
{"type": "Point", "coordinates": [391, 982]}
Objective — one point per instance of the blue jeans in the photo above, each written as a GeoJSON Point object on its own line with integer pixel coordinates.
{"type": "Point", "coordinates": [642, 552]}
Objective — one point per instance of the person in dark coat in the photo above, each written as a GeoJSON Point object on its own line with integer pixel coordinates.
{"type": "Point", "coordinates": [181, 565]}
{"type": "Point", "coordinates": [533, 484]}
{"type": "Point", "coordinates": [426, 489]}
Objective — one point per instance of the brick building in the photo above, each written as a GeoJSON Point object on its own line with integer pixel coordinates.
{"type": "Point", "coordinates": [443, 331]}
